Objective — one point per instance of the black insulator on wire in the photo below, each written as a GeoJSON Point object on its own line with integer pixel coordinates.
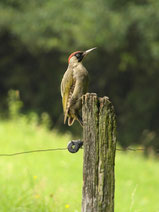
{"type": "Point", "coordinates": [74, 146]}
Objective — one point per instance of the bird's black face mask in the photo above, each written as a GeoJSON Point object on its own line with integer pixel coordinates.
{"type": "Point", "coordinates": [79, 56]}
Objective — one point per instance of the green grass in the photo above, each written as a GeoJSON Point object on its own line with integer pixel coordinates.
{"type": "Point", "coordinates": [52, 181]}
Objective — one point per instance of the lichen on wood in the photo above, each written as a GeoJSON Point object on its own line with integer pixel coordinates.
{"type": "Point", "coordinates": [99, 136]}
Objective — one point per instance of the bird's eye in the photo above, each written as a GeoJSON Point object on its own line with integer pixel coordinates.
{"type": "Point", "coordinates": [77, 55]}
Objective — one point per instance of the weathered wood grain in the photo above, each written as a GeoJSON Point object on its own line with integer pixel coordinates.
{"type": "Point", "coordinates": [99, 136]}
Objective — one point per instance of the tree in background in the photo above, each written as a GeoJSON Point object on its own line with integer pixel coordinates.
{"type": "Point", "coordinates": [36, 38]}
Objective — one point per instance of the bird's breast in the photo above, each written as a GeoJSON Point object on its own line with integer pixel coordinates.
{"type": "Point", "coordinates": [80, 72]}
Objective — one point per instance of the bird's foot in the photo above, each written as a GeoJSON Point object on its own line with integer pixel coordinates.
{"type": "Point", "coordinates": [79, 118]}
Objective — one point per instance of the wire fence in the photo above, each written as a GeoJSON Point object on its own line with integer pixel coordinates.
{"type": "Point", "coordinates": [30, 151]}
{"type": "Point", "coordinates": [61, 149]}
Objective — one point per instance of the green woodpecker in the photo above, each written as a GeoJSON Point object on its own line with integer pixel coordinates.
{"type": "Point", "coordinates": [74, 84]}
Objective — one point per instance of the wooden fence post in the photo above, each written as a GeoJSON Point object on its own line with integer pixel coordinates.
{"type": "Point", "coordinates": [99, 136]}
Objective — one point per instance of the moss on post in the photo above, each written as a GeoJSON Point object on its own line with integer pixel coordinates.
{"type": "Point", "coordinates": [99, 135]}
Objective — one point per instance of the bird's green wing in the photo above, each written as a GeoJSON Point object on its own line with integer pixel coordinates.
{"type": "Point", "coordinates": [66, 91]}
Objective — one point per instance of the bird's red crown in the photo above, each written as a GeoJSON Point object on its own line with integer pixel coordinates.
{"type": "Point", "coordinates": [71, 55]}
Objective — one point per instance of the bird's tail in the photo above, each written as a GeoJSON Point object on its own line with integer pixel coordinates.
{"type": "Point", "coordinates": [70, 121]}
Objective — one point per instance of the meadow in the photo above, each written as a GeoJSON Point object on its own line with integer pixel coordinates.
{"type": "Point", "coordinates": [52, 181]}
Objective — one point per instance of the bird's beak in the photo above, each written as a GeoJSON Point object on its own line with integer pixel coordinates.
{"type": "Point", "coordinates": [88, 51]}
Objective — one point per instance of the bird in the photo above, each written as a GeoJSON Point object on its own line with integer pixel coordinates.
{"type": "Point", "coordinates": [74, 85]}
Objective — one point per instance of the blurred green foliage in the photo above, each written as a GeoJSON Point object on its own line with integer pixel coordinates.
{"type": "Point", "coordinates": [49, 181]}
{"type": "Point", "coordinates": [14, 104]}
{"type": "Point", "coordinates": [36, 37]}
{"type": "Point", "coordinates": [45, 182]}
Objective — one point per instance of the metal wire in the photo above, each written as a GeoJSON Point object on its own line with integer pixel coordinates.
{"type": "Point", "coordinates": [130, 149]}
{"type": "Point", "coordinates": [59, 149]}
{"type": "Point", "coordinates": [31, 151]}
